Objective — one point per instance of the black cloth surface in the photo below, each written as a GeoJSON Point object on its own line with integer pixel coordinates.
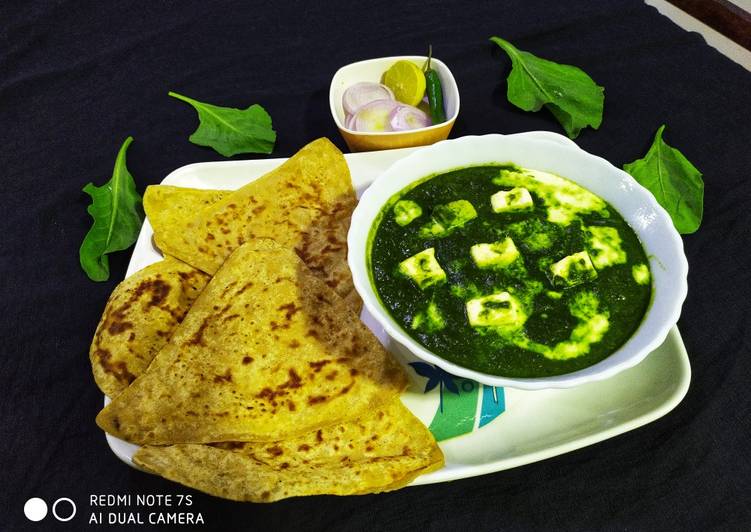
{"type": "Point", "coordinates": [77, 77]}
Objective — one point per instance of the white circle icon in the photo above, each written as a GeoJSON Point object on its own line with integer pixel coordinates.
{"type": "Point", "coordinates": [72, 510]}
{"type": "Point", "coordinates": [35, 509]}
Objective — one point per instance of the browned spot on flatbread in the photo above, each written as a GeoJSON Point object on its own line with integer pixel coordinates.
{"type": "Point", "coordinates": [315, 399]}
{"type": "Point", "coordinates": [228, 445]}
{"type": "Point", "coordinates": [275, 450]}
{"type": "Point", "coordinates": [226, 377]}
{"type": "Point", "coordinates": [197, 338]}
{"type": "Point", "coordinates": [318, 365]}
{"type": "Point", "coordinates": [114, 320]}
{"type": "Point", "coordinates": [156, 287]}
{"type": "Point", "coordinates": [247, 285]}
{"type": "Point", "coordinates": [117, 369]}
{"type": "Point", "coordinates": [294, 381]}
{"type": "Point", "coordinates": [188, 277]}
{"type": "Point", "coordinates": [331, 248]}
{"type": "Point", "coordinates": [116, 327]}
{"type": "Point", "coordinates": [290, 310]}
{"type": "Point", "coordinates": [227, 289]}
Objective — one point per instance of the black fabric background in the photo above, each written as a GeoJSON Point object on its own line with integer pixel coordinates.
{"type": "Point", "coordinates": [77, 77]}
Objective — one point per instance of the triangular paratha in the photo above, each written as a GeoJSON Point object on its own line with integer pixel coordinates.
{"type": "Point", "coordinates": [267, 352]}
{"type": "Point", "coordinates": [383, 451]}
{"type": "Point", "coordinates": [304, 204]}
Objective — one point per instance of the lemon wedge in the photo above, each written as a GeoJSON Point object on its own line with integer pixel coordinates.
{"type": "Point", "coordinates": [406, 81]}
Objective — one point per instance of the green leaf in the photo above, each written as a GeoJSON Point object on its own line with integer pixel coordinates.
{"type": "Point", "coordinates": [231, 131]}
{"type": "Point", "coordinates": [675, 182]}
{"type": "Point", "coordinates": [118, 215]}
{"type": "Point", "coordinates": [567, 91]}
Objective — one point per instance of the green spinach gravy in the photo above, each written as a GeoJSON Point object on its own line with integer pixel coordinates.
{"type": "Point", "coordinates": [509, 271]}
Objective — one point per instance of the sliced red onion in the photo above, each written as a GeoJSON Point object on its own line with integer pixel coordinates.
{"type": "Point", "coordinates": [348, 121]}
{"type": "Point", "coordinates": [405, 117]}
{"type": "Point", "coordinates": [365, 92]}
{"type": "Point", "coordinates": [374, 116]}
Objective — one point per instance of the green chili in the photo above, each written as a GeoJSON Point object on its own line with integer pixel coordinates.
{"type": "Point", "coordinates": [435, 91]}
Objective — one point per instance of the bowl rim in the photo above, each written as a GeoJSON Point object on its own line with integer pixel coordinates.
{"type": "Point", "coordinates": [357, 238]}
{"type": "Point", "coordinates": [446, 70]}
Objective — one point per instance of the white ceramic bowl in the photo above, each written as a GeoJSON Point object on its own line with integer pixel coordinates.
{"type": "Point", "coordinates": [554, 153]}
{"type": "Point", "coordinates": [372, 70]}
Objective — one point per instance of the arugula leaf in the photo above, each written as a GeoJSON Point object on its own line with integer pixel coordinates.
{"type": "Point", "coordinates": [118, 215]}
{"type": "Point", "coordinates": [675, 182]}
{"type": "Point", "coordinates": [567, 91]}
{"type": "Point", "coordinates": [231, 131]}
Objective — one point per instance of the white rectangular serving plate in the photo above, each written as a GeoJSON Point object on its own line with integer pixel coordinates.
{"type": "Point", "coordinates": [535, 424]}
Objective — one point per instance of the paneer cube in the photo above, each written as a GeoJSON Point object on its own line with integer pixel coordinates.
{"type": "Point", "coordinates": [641, 273]}
{"type": "Point", "coordinates": [405, 211]}
{"type": "Point", "coordinates": [495, 255]}
{"type": "Point", "coordinates": [604, 245]}
{"type": "Point", "coordinates": [514, 200]}
{"type": "Point", "coordinates": [448, 217]}
{"type": "Point", "coordinates": [500, 310]}
{"type": "Point", "coordinates": [423, 269]}
{"type": "Point", "coordinates": [572, 270]}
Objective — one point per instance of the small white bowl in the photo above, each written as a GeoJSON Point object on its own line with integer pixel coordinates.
{"type": "Point", "coordinates": [553, 153]}
{"type": "Point", "coordinates": [372, 70]}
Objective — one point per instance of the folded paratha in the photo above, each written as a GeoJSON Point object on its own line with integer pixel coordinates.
{"type": "Point", "coordinates": [170, 211]}
{"type": "Point", "coordinates": [304, 204]}
{"type": "Point", "coordinates": [139, 318]}
{"type": "Point", "coordinates": [383, 451]}
{"type": "Point", "coordinates": [267, 352]}
{"type": "Point", "coordinates": [145, 308]}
